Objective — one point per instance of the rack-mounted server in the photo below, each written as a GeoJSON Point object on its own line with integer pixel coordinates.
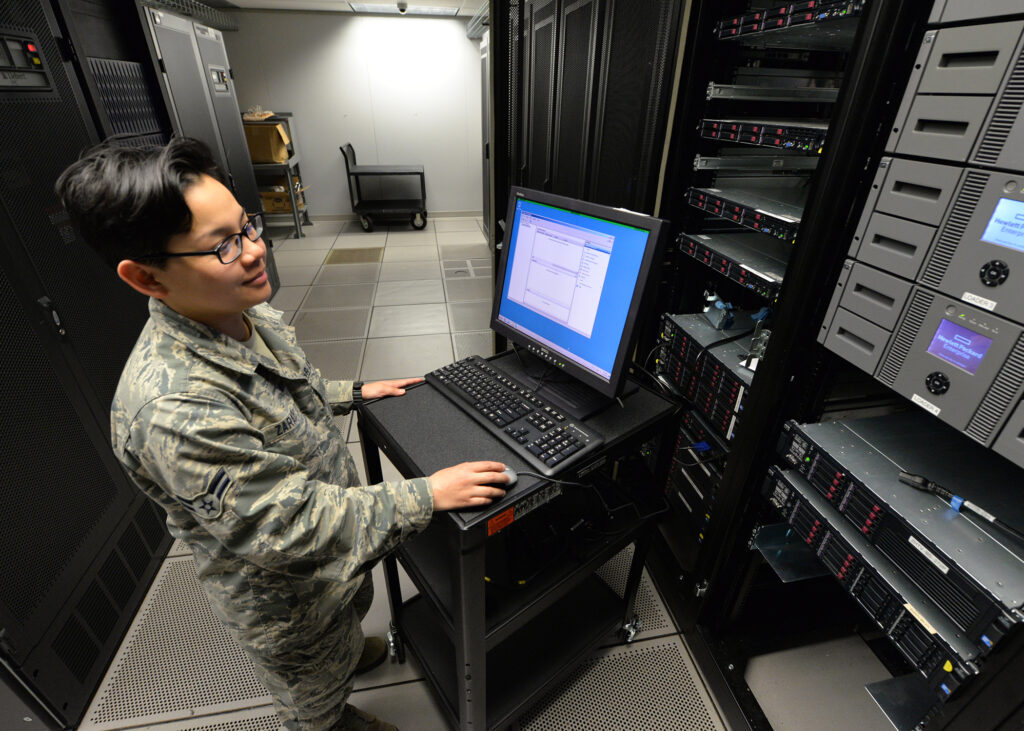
{"type": "Point", "coordinates": [785, 134]}
{"type": "Point", "coordinates": [925, 637]}
{"type": "Point", "coordinates": [705, 365]}
{"type": "Point", "coordinates": [749, 259]}
{"type": "Point", "coordinates": [773, 208]}
{"type": "Point", "coordinates": [972, 572]}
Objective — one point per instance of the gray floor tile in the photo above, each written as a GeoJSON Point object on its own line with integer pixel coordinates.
{"type": "Point", "coordinates": [287, 316]}
{"type": "Point", "coordinates": [396, 320]}
{"type": "Point", "coordinates": [407, 706]}
{"type": "Point", "coordinates": [442, 225]}
{"type": "Point", "coordinates": [339, 295]}
{"type": "Point", "coordinates": [409, 270]}
{"type": "Point", "coordinates": [451, 252]}
{"type": "Point", "coordinates": [297, 276]}
{"type": "Point", "coordinates": [331, 325]}
{"type": "Point", "coordinates": [411, 238]}
{"type": "Point", "coordinates": [366, 255]}
{"type": "Point", "coordinates": [337, 359]}
{"type": "Point", "coordinates": [409, 293]}
{"type": "Point", "coordinates": [463, 290]}
{"type": "Point", "coordinates": [300, 258]}
{"type": "Point", "coordinates": [348, 273]}
{"type": "Point", "coordinates": [467, 316]}
{"type": "Point", "coordinates": [354, 227]}
{"type": "Point", "coordinates": [288, 298]}
{"type": "Point", "coordinates": [410, 253]}
{"type": "Point", "coordinates": [309, 242]}
{"type": "Point", "coordinates": [405, 356]}
{"type": "Point", "coordinates": [361, 240]}
{"type": "Point", "coordinates": [473, 343]}
{"type": "Point", "coordinates": [461, 237]}
{"type": "Point", "coordinates": [320, 227]}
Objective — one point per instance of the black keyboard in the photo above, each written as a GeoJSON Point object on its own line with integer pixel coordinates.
{"type": "Point", "coordinates": [534, 429]}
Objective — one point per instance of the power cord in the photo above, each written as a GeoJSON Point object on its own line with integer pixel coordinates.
{"type": "Point", "coordinates": [919, 482]}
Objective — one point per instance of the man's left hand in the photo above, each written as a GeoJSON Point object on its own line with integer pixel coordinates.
{"type": "Point", "coordinates": [388, 388]}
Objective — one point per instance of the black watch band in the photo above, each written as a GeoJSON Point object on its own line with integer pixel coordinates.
{"type": "Point", "coordinates": [357, 391]}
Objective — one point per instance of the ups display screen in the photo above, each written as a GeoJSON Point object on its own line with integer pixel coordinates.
{"type": "Point", "coordinates": [960, 346]}
{"type": "Point", "coordinates": [1006, 226]}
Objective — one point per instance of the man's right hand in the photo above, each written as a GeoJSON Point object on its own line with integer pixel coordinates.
{"type": "Point", "coordinates": [468, 485]}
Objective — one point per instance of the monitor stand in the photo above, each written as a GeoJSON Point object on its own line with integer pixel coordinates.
{"type": "Point", "coordinates": [574, 398]}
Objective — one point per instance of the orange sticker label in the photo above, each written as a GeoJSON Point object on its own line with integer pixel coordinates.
{"type": "Point", "coordinates": [500, 520]}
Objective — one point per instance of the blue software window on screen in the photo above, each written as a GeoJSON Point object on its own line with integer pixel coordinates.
{"type": "Point", "coordinates": [569, 282]}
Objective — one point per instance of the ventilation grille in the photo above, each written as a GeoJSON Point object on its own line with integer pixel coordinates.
{"type": "Point", "coordinates": [156, 140]}
{"type": "Point", "coordinates": [175, 636]}
{"type": "Point", "coordinates": [651, 686]}
{"type": "Point", "coordinates": [654, 618]}
{"type": "Point", "coordinates": [1004, 390]}
{"type": "Point", "coordinates": [1004, 117]}
{"type": "Point", "coordinates": [197, 11]}
{"type": "Point", "coordinates": [906, 332]}
{"type": "Point", "coordinates": [953, 231]}
{"type": "Point", "coordinates": [42, 436]}
{"type": "Point", "coordinates": [949, 597]}
{"type": "Point", "coordinates": [577, 53]}
{"type": "Point", "coordinates": [126, 95]}
{"type": "Point", "coordinates": [75, 649]}
{"type": "Point", "coordinates": [542, 93]}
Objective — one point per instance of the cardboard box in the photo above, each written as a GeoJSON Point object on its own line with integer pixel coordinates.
{"type": "Point", "coordinates": [267, 142]}
{"type": "Point", "coordinates": [279, 202]}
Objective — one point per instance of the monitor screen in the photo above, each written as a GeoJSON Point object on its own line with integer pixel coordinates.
{"type": "Point", "coordinates": [573, 277]}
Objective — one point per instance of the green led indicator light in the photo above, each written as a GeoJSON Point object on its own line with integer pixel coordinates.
{"type": "Point", "coordinates": [807, 459]}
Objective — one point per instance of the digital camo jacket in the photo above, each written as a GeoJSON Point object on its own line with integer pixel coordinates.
{"type": "Point", "coordinates": [243, 454]}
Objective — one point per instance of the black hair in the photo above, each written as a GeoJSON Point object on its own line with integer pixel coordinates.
{"type": "Point", "coordinates": [127, 202]}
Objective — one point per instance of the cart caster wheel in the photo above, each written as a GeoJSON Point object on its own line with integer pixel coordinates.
{"type": "Point", "coordinates": [396, 650]}
{"type": "Point", "coordinates": [367, 223]}
{"type": "Point", "coordinates": [419, 220]}
{"type": "Point", "coordinates": [631, 628]}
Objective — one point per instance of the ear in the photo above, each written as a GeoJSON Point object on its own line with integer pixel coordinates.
{"type": "Point", "coordinates": [142, 278]}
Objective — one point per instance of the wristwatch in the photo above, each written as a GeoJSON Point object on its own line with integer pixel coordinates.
{"type": "Point", "coordinates": [357, 391]}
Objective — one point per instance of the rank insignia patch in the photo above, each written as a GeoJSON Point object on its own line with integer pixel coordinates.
{"type": "Point", "coordinates": [210, 504]}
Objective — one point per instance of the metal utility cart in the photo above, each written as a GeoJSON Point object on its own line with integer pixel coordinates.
{"type": "Point", "coordinates": [488, 652]}
{"type": "Point", "coordinates": [372, 210]}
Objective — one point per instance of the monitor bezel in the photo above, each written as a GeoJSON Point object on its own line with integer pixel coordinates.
{"type": "Point", "coordinates": [642, 292]}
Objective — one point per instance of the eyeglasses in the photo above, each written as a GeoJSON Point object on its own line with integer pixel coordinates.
{"type": "Point", "coordinates": [230, 248]}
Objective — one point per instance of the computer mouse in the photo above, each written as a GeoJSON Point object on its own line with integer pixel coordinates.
{"type": "Point", "coordinates": [512, 477]}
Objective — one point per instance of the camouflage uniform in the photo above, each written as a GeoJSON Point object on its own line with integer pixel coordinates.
{"type": "Point", "coordinates": [244, 456]}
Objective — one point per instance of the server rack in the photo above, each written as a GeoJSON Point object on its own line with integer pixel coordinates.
{"type": "Point", "coordinates": [731, 186]}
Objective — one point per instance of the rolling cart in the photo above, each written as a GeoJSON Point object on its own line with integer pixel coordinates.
{"type": "Point", "coordinates": [370, 211]}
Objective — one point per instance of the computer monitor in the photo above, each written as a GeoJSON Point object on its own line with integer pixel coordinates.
{"type": "Point", "coordinates": [573, 277]}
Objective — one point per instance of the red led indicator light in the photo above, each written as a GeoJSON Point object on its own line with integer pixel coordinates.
{"type": "Point", "coordinates": [31, 47]}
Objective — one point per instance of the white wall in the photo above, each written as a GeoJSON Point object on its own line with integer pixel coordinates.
{"type": "Point", "coordinates": [402, 90]}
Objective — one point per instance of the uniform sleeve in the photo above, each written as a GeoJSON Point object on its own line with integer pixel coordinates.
{"type": "Point", "coordinates": [263, 506]}
{"type": "Point", "coordinates": [339, 395]}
